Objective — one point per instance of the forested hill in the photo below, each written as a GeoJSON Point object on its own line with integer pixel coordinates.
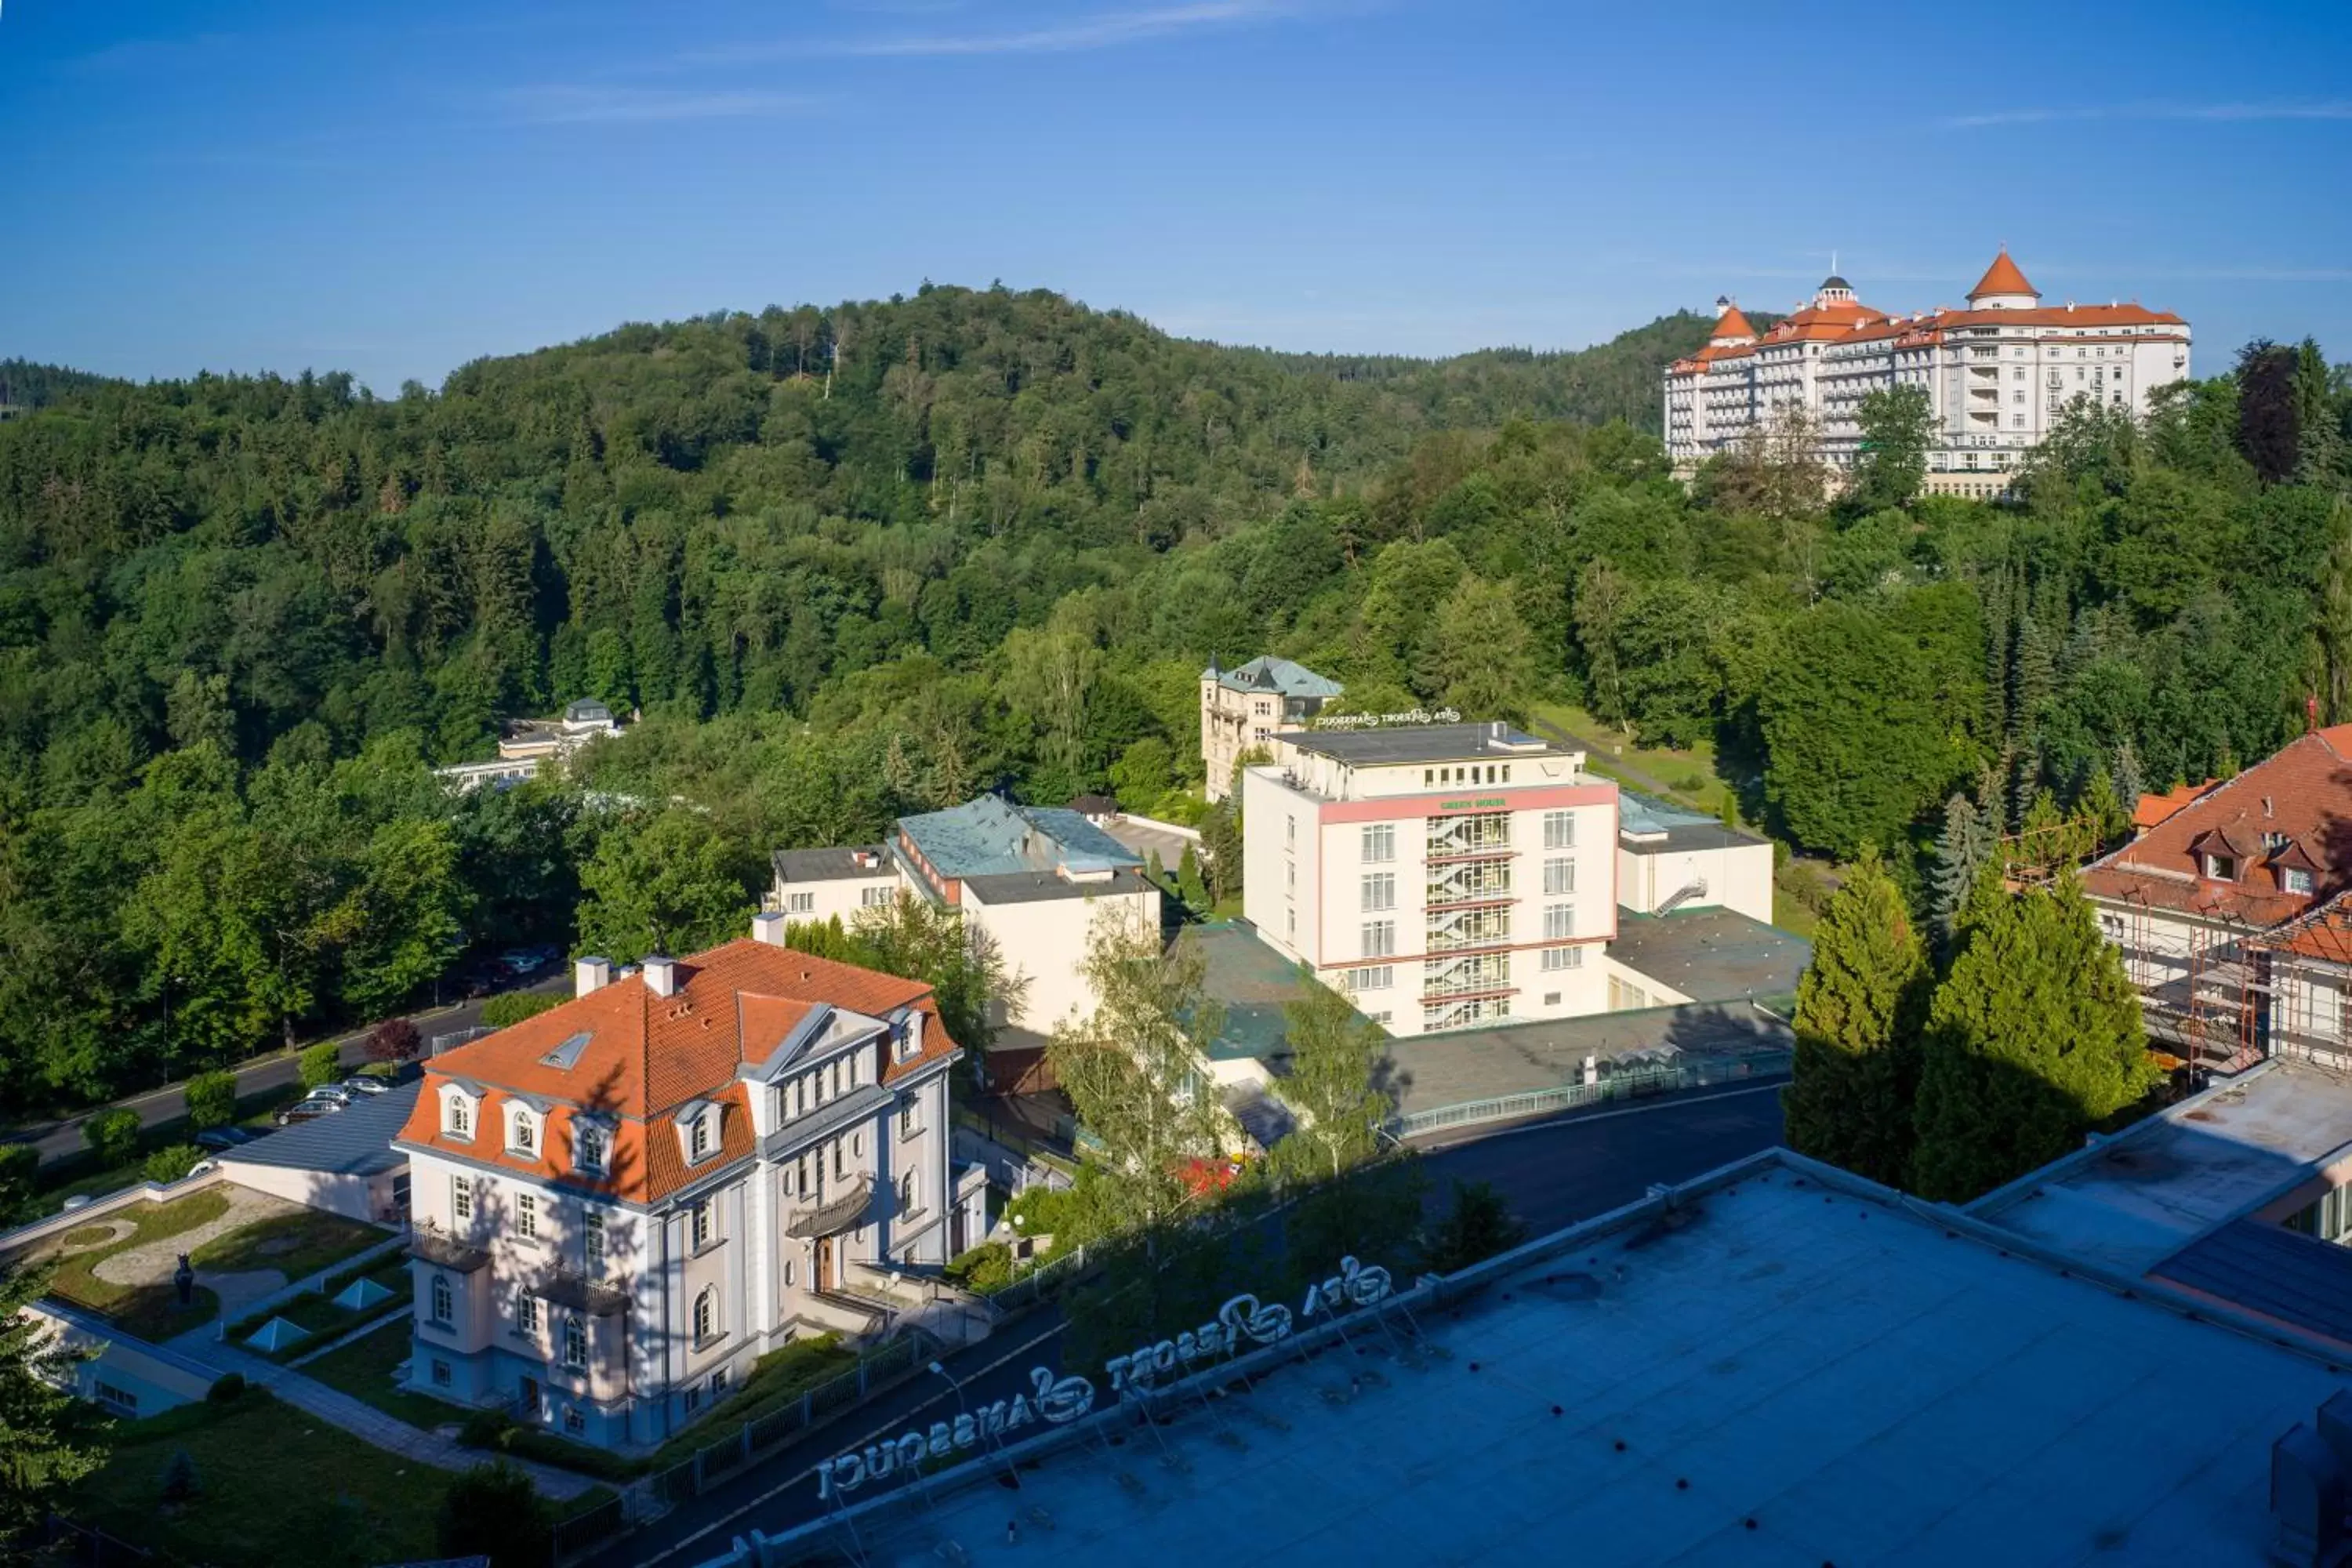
{"type": "Point", "coordinates": [776, 492]}
{"type": "Point", "coordinates": [24, 384]}
{"type": "Point", "coordinates": [856, 563]}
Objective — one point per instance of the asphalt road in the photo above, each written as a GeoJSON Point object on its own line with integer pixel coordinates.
{"type": "Point", "coordinates": [1555, 1173]}
{"type": "Point", "coordinates": [56, 1139]}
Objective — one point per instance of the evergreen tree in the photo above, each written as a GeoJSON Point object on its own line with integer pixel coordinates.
{"type": "Point", "coordinates": [2034, 1037]}
{"type": "Point", "coordinates": [2105, 822]}
{"type": "Point", "coordinates": [2130, 782]}
{"type": "Point", "coordinates": [48, 1440]}
{"type": "Point", "coordinates": [2333, 615]}
{"type": "Point", "coordinates": [1962, 849]}
{"type": "Point", "coordinates": [1858, 1011]}
{"type": "Point", "coordinates": [2033, 677]}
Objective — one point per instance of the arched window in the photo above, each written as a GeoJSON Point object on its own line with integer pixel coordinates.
{"type": "Point", "coordinates": [706, 1315]}
{"type": "Point", "coordinates": [442, 1309]}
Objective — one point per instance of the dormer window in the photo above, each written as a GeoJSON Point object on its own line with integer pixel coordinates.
{"type": "Point", "coordinates": [698, 1137]}
{"type": "Point", "coordinates": [2222, 868]}
{"type": "Point", "coordinates": [456, 1113]}
{"type": "Point", "coordinates": [591, 1148]}
{"type": "Point", "coordinates": [698, 1131]}
{"type": "Point", "coordinates": [522, 1130]}
{"type": "Point", "coordinates": [2294, 879]}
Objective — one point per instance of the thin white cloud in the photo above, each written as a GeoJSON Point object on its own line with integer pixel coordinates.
{"type": "Point", "coordinates": [2209, 112]}
{"type": "Point", "coordinates": [1098, 30]}
{"type": "Point", "coordinates": [574, 105]}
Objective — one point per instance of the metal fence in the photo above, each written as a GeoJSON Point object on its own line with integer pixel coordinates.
{"type": "Point", "coordinates": [585, 1532]}
{"type": "Point", "coordinates": [1635, 1083]}
{"type": "Point", "coordinates": [95, 1547]}
{"type": "Point", "coordinates": [456, 1037]}
{"type": "Point", "coordinates": [762, 1434]}
{"type": "Point", "coordinates": [1039, 1282]}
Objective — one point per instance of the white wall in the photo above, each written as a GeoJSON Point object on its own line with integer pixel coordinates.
{"type": "Point", "coordinates": [842, 897]}
{"type": "Point", "coordinates": [1045, 939]}
{"type": "Point", "coordinates": [365, 1198]}
{"type": "Point", "coordinates": [1739, 878]}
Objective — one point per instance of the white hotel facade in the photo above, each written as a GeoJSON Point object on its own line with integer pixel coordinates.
{"type": "Point", "coordinates": [1443, 876]}
{"type": "Point", "coordinates": [1997, 374]}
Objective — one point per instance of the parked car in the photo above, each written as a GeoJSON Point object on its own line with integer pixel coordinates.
{"type": "Point", "coordinates": [334, 1091]}
{"type": "Point", "coordinates": [220, 1139]}
{"type": "Point", "coordinates": [365, 1086]}
{"type": "Point", "coordinates": [308, 1111]}
{"type": "Point", "coordinates": [522, 961]}
{"type": "Point", "coordinates": [78, 1200]}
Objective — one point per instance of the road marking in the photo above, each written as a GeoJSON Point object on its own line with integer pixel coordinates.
{"type": "Point", "coordinates": [1572, 1119]}
{"type": "Point", "coordinates": [782, 1487]}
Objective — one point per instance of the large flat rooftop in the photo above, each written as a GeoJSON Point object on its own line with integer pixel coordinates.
{"type": "Point", "coordinates": [2129, 1202]}
{"type": "Point", "coordinates": [1784, 1369]}
{"type": "Point", "coordinates": [1713, 954]}
{"type": "Point", "coordinates": [1417, 744]}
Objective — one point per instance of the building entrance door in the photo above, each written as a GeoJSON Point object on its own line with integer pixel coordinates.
{"type": "Point", "coordinates": [824, 1263]}
{"type": "Point", "coordinates": [530, 1399]}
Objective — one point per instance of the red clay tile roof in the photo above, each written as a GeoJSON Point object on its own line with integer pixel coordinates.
{"type": "Point", "coordinates": [1731, 324]}
{"type": "Point", "coordinates": [2002, 278]}
{"type": "Point", "coordinates": [646, 1056]}
{"type": "Point", "coordinates": [2154, 809]}
{"type": "Point", "coordinates": [2300, 795]}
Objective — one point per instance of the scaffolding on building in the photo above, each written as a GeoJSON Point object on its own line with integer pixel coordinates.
{"type": "Point", "coordinates": [2307, 969]}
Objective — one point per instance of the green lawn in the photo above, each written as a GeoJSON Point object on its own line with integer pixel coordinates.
{"type": "Point", "coordinates": [364, 1370]}
{"type": "Point", "coordinates": [295, 1245]}
{"type": "Point", "coordinates": [1689, 775]}
{"type": "Point", "coordinates": [272, 1485]}
{"type": "Point", "coordinates": [149, 1312]}
{"type": "Point", "coordinates": [316, 1309]}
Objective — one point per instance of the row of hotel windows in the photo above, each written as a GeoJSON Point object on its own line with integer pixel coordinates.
{"type": "Point", "coordinates": [867, 897]}
{"type": "Point", "coordinates": [1381, 976]}
{"type": "Point", "coordinates": [1377, 939]}
{"type": "Point", "coordinates": [1469, 775]}
{"type": "Point", "coordinates": [1378, 840]}
{"type": "Point", "coordinates": [1377, 891]}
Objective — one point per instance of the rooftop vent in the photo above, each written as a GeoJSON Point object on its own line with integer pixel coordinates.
{"type": "Point", "coordinates": [591, 974]}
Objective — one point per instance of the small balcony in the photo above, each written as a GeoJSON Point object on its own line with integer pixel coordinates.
{"type": "Point", "coordinates": [833, 1215]}
{"type": "Point", "coordinates": [445, 1249]}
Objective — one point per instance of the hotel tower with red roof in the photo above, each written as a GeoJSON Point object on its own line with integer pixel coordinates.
{"type": "Point", "coordinates": [1997, 374]}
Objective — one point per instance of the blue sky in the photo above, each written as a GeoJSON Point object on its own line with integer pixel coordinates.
{"type": "Point", "coordinates": [396, 188]}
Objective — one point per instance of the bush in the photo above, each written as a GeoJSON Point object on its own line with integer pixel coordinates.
{"type": "Point", "coordinates": [486, 1429]}
{"type": "Point", "coordinates": [212, 1100]}
{"type": "Point", "coordinates": [169, 1164]}
{"type": "Point", "coordinates": [180, 1477]}
{"type": "Point", "coordinates": [113, 1136]}
{"type": "Point", "coordinates": [394, 1040]}
{"type": "Point", "coordinates": [227, 1389]}
{"type": "Point", "coordinates": [321, 1063]}
{"type": "Point", "coordinates": [18, 1162]}
{"type": "Point", "coordinates": [493, 1511]}
{"type": "Point", "coordinates": [514, 1006]}
{"type": "Point", "coordinates": [985, 1269]}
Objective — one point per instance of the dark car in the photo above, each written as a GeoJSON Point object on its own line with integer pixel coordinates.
{"type": "Point", "coordinates": [523, 961]}
{"type": "Point", "coordinates": [308, 1111]}
{"type": "Point", "coordinates": [220, 1139]}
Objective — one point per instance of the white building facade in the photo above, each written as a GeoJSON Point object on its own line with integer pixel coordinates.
{"type": "Point", "coordinates": [1997, 374]}
{"type": "Point", "coordinates": [620, 1204]}
{"type": "Point", "coordinates": [1443, 876]}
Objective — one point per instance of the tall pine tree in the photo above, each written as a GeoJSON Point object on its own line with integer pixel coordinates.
{"type": "Point", "coordinates": [1858, 1014]}
{"type": "Point", "coordinates": [2033, 1038]}
{"type": "Point", "coordinates": [1961, 851]}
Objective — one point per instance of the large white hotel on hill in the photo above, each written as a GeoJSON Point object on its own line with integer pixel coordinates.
{"type": "Point", "coordinates": [1997, 374]}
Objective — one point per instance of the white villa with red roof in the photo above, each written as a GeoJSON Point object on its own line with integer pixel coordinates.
{"type": "Point", "coordinates": [2207, 904]}
{"type": "Point", "coordinates": [1997, 374]}
{"type": "Point", "coordinates": [618, 1205]}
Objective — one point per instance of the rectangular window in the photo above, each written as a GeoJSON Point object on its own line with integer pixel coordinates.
{"type": "Point", "coordinates": [1559, 876]}
{"type": "Point", "coordinates": [2222, 868]}
{"type": "Point", "coordinates": [440, 1374]}
{"type": "Point", "coordinates": [458, 1118]}
{"type": "Point", "coordinates": [1557, 958]}
{"type": "Point", "coordinates": [588, 1145]}
{"type": "Point", "coordinates": [575, 1342]}
{"type": "Point", "coordinates": [1380, 842]}
{"type": "Point", "coordinates": [1379, 939]}
{"type": "Point", "coordinates": [443, 1307]}
{"type": "Point", "coordinates": [527, 1215]}
{"type": "Point", "coordinates": [1376, 977]}
{"type": "Point", "coordinates": [906, 1117]}
{"type": "Point", "coordinates": [2294, 879]}
{"type": "Point", "coordinates": [573, 1422]}
{"type": "Point", "coordinates": [874, 898]}
{"type": "Point", "coordinates": [698, 1137]}
{"type": "Point", "coordinates": [907, 1193]}
{"type": "Point", "coordinates": [800, 904]}
{"type": "Point", "coordinates": [1559, 921]}
{"type": "Point", "coordinates": [1560, 830]}
{"type": "Point", "coordinates": [1291, 830]}
{"type": "Point", "coordinates": [461, 1198]}
{"type": "Point", "coordinates": [526, 1313]}
{"type": "Point", "coordinates": [701, 1225]}
{"type": "Point", "coordinates": [1380, 891]}
{"type": "Point", "coordinates": [121, 1399]}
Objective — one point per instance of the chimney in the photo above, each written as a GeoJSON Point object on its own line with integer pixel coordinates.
{"type": "Point", "coordinates": [768, 927]}
{"type": "Point", "coordinates": [591, 974]}
{"type": "Point", "coordinates": [661, 974]}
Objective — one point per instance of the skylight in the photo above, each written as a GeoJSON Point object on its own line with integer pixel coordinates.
{"type": "Point", "coordinates": [566, 1056]}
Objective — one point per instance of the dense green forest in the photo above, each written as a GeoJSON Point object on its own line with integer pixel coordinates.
{"type": "Point", "coordinates": [858, 561]}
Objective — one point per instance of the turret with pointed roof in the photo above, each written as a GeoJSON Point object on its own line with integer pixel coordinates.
{"type": "Point", "coordinates": [2003, 287]}
{"type": "Point", "coordinates": [1731, 327]}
